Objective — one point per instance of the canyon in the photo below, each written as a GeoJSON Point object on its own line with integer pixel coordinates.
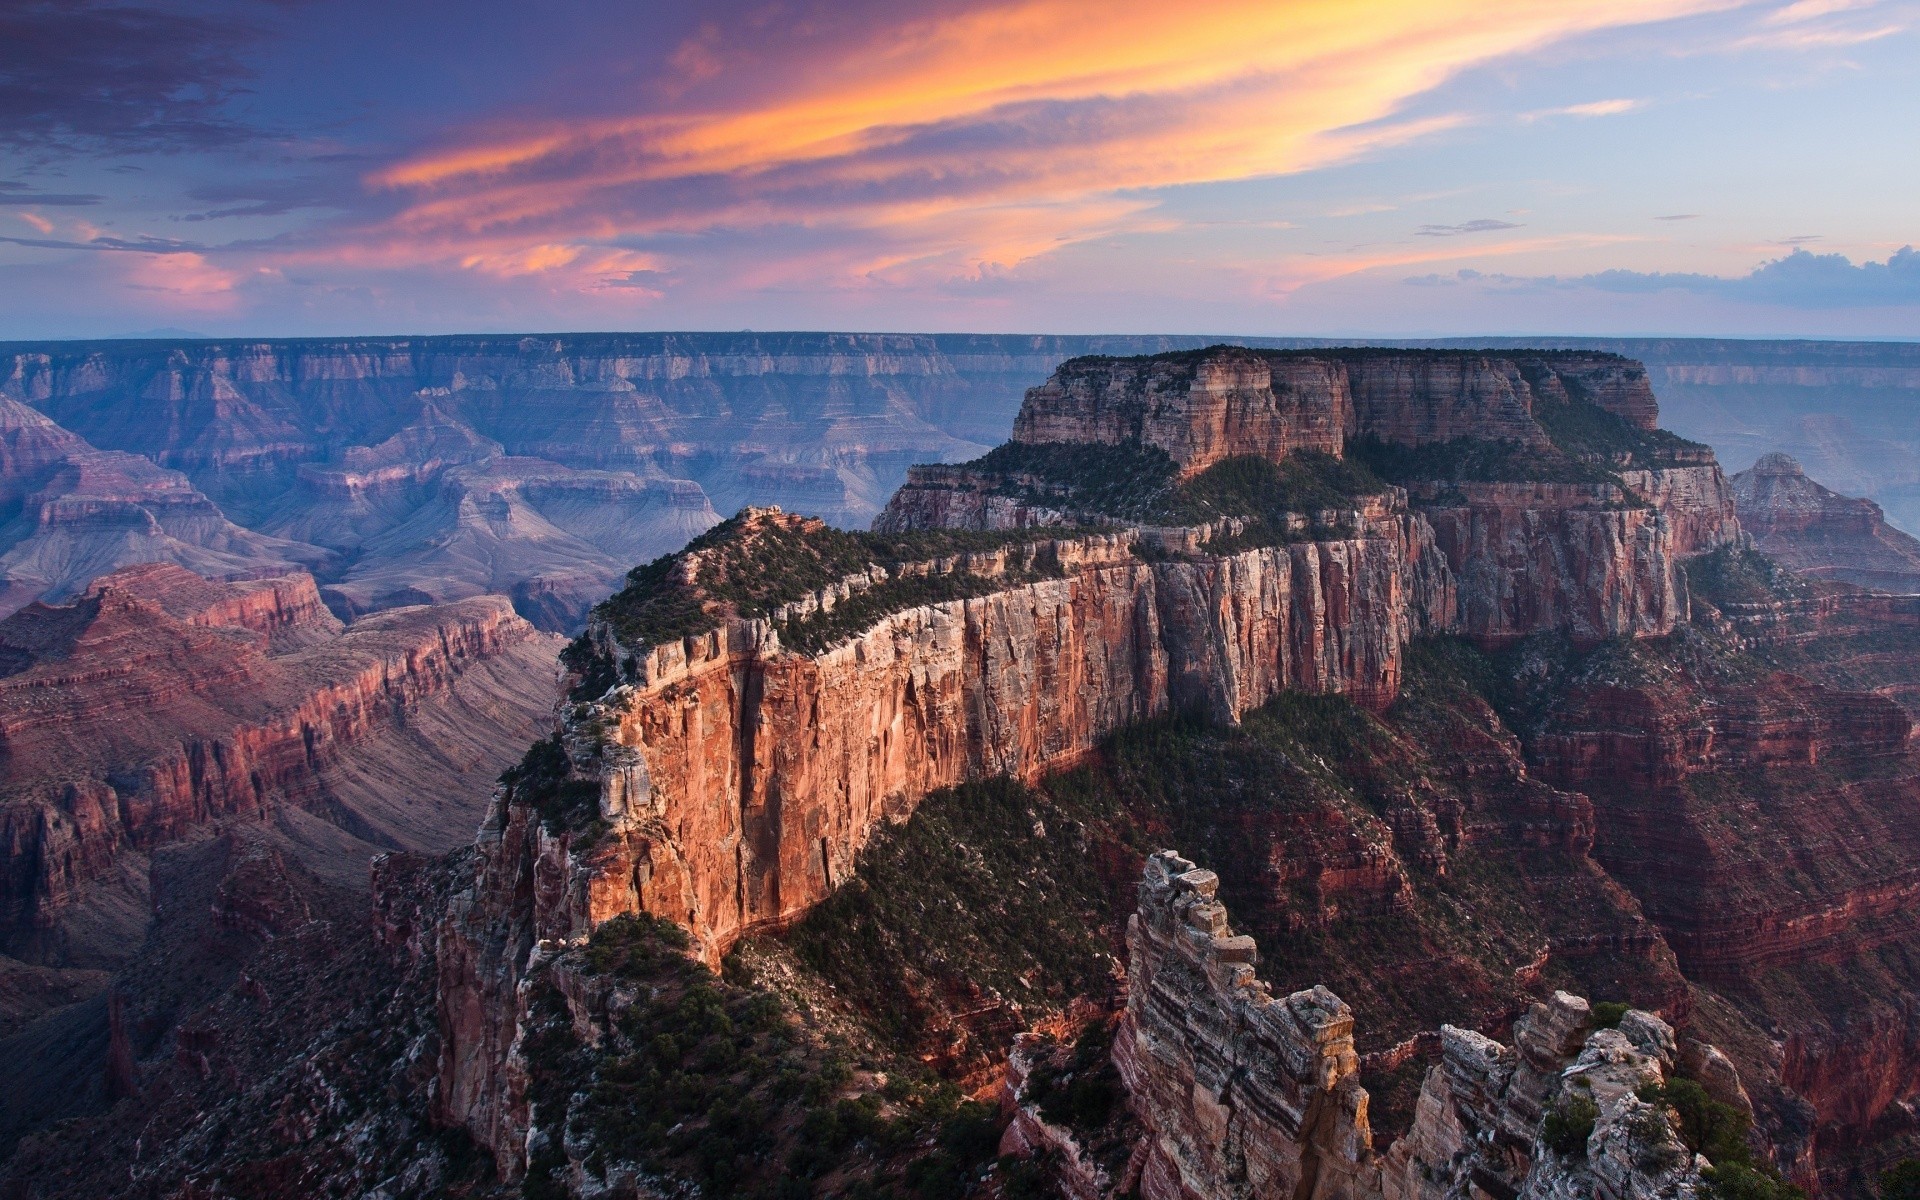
{"type": "Point", "coordinates": [1446, 664]}
{"type": "Point", "coordinates": [410, 470]}
{"type": "Point", "coordinates": [158, 705]}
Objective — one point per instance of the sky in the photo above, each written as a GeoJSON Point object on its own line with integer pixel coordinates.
{"type": "Point", "coordinates": [1378, 168]}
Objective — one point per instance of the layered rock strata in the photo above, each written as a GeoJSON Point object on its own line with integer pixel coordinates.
{"type": "Point", "coordinates": [159, 702]}
{"type": "Point", "coordinates": [1204, 406]}
{"type": "Point", "coordinates": [1242, 1093]}
{"type": "Point", "coordinates": [70, 512]}
{"type": "Point", "coordinates": [1595, 560]}
{"type": "Point", "coordinates": [1817, 531]}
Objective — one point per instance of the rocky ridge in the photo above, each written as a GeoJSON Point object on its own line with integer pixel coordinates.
{"type": "Point", "coordinates": [710, 776]}
{"type": "Point", "coordinates": [1816, 531]}
{"type": "Point", "coordinates": [1239, 1092]}
{"type": "Point", "coordinates": [158, 703]}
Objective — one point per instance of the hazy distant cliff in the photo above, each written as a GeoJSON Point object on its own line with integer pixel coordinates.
{"type": "Point", "coordinates": [574, 455]}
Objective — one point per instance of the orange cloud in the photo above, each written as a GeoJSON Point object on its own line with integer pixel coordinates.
{"type": "Point", "coordinates": [978, 136]}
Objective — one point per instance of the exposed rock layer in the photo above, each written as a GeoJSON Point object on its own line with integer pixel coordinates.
{"type": "Point", "coordinates": [159, 702]}
{"type": "Point", "coordinates": [1819, 532]}
{"type": "Point", "coordinates": [1243, 1093]}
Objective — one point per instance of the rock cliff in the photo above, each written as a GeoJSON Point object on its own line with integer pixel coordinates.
{"type": "Point", "coordinates": [1818, 532]}
{"type": "Point", "coordinates": [1572, 512]}
{"type": "Point", "coordinates": [158, 703]}
{"type": "Point", "coordinates": [1242, 1093]}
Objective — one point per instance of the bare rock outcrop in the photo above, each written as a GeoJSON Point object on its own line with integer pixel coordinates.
{"type": "Point", "coordinates": [1245, 1094]}
{"type": "Point", "coordinates": [736, 779]}
{"type": "Point", "coordinates": [158, 703]}
{"type": "Point", "coordinates": [1819, 532]}
{"type": "Point", "coordinates": [1242, 1093]}
{"type": "Point", "coordinates": [1199, 407]}
{"type": "Point", "coordinates": [1587, 549]}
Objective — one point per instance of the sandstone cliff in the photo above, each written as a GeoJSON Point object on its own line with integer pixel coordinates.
{"type": "Point", "coordinates": [1817, 531]}
{"type": "Point", "coordinates": [1242, 1093]}
{"type": "Point", "coordinates": [158, 703]}
{"type": "Point", "coordinates": [1574, 517]}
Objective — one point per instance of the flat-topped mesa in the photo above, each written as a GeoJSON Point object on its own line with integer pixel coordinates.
{"type": "Point", "coordinates": [1199, 408]}
{"type": "Point", "coordinates": [1557, 502]}
{"type": "Point", "coordinates": [1243, 1093]}
{"type": "Point", "coordinates": [1203, 406]}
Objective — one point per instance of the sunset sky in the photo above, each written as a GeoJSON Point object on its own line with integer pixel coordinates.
{"type": "Point", "coordinates": [1332, 167]}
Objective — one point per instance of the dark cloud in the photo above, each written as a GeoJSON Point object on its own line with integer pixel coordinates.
{"type": "Point", "coordinates": [1679, 217]}
{"type": "Point", "coordinates": [20, 195]}
{"type": "Point", "coordinates": [1483, 225]}
{"type": "Point", "coordinates": [85, 74]}
{"type": "Point", "coordinates": [271, 197]}
{"type": "Point", "coordinates": [1800, 280]}
{"type": "Point", "coordinates": [140, 245]}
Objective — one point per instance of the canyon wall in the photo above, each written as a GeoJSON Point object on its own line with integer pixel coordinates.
{"type": "Point", "coordinates": [763, 772]}
{"type": "Point", "coordinates": [1242, 1093]}
{"type": "Point", "coordinates": [1816, 531]}
{"type": "Point", "coordinates": [159, 703]}
{"type": "Point", "coordinates": [1203, 406]}
{"type": "Point", "coordinates": [1592, 559]}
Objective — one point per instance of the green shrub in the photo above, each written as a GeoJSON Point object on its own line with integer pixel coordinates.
{"type": "Point", "coordinates": [1607, 1014]}
{"type": "Point", "coordinates": [1736, 1181]}
{"type": "Point", "coordinates": [540, 780]}
{"type": "Point", "coordinates": [1738, 575]}
{"type": "Point", "coordinates": [1901, 1181]}
{"type": "Point", "coordinates": [1707, 1126]}
{"type": "Point", "coordinates": [751, 568]}
{"type": "Point", "coordinates": [1568, 1126]}
{"type": "Point", "coordinates": [1474, 460]}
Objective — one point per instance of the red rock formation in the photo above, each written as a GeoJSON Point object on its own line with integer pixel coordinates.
{"type": "Point", "coordinates": [1203, 406]}
{"type": "Point", "coordinates": [1581, 558]}
{"type": "Point", "coordinates": [1819, 532]}
{"type": "Point", "coordinates": [1241, 1093]}
{"type": "Point", "coordinates": [1199, 408]}
{"type": "Point", "coordinates": [69, 513]}
{"type": "Point", "coordinates": [1412, 398]}
{"type": "Point", "coordinates": [1595, 560]}
{"type": "Point", "coordinates": [159, 702]}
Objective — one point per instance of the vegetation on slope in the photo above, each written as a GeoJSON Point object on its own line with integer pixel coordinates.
{"type": "Point", "coordinates": [1138, 483]}
{"type": "Point", "coordinates": [752, 564]}
{"type": "Point", "coordinates": [1475, 460]}
{"type": "Point", "coordinates": [1338, 835]}
{"type": "Point", "coordinates": [726, 1084]}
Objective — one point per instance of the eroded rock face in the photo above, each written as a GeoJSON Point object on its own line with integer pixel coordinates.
{"type": "Point", "coordinates": [1819, 532]}
{"type": "Point", "coordinates": [738, 780]}
{"type": "Point", "coordinates": [1577, 558]}
{"type": "Point", "coordinates": [1245, 1094]}
{"type": "Point", "coordinates": [1592, 560]}
{"type": "Point", "coordinates": [1199, 408]}
{"type": "Point", "coordinates": [764, 771]}
{"type": "Point", "coordinates": [160, 702]}
{"type": "Point", "coordinates": [1242, 1093]}
{"type": "Point", "coordinates": [1204, 406]}
{"type": "Point", "coordinates": [70, 512]}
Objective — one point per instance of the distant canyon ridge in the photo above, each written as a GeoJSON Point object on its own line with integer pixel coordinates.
{"type": "Point", "coordinates": [402, 471]}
